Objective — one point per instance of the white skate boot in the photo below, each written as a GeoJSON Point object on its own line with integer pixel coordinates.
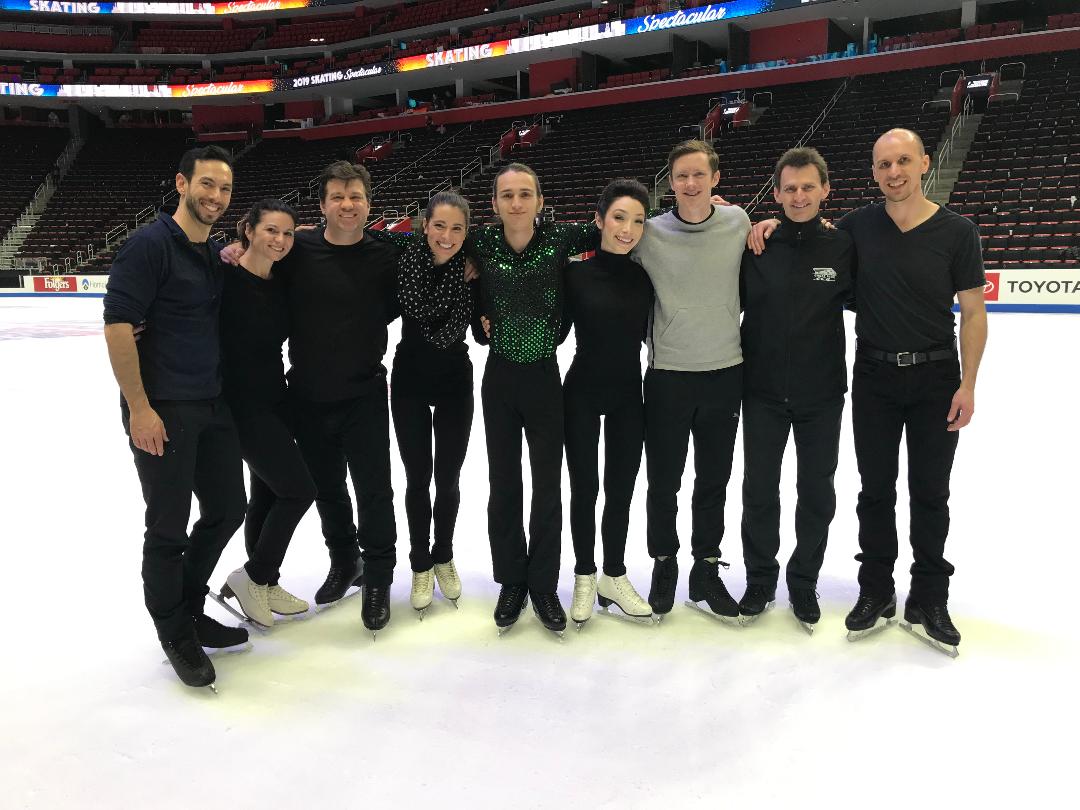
{"type": "Point", "coordinates": [619, 592]}
{"type": "Point", "coordinates": [284, 603]}
{"type": "Point", "coordinates": [581, 607]}
{"type": "Point", "coordinates": [423, 589]}
{"type": "Point", "coordinates": [449, 581]}
{"type": "Point", "coordinates": [253, 598]}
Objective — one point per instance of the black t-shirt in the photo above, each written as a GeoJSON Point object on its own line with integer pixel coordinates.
{"type": "Point", "coordinates": [341, 297]}
{"type": "Point", "coordinates": [254, 325]}
{"type": "Point", "coordinates": [907, 281]}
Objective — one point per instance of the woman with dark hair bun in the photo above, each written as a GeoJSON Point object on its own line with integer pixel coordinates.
{"type": "Point", "coordinates": [254, 325]}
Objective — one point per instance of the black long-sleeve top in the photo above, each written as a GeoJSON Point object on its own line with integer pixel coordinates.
{"type": "Point", "coordinates": [793, 296]}
{"type": "Point", "coordinates": [254, 325]}
{"type": "Point", "coordinates": [607, 301]}
{"type": "Point", "coordinates": [341, 297]}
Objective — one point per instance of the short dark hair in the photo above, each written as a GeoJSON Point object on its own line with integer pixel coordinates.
{"type": "Point", "coordinates": [447, 198]}
{"type": "Point", "coordinates": [255, 214]}
{"type": "Point", "coordinates": [346, 172]}
{"type": "Point", "coordinates": [192, 156]}
{"type": "Point", "coordinates": [690, 148]}
{"type": "Point", "coordinates": [622, 188]}
{"type": "Point", "coordinates": [798, 158]}
{"type": "Point", "coordinates": [515, 167]}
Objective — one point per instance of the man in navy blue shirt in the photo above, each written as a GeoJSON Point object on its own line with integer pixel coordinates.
{"type": "Point", "coordinates": [168, 277]}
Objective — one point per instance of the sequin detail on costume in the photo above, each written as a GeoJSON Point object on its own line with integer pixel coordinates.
{"type": "Point", "coordinates": [436, 296]}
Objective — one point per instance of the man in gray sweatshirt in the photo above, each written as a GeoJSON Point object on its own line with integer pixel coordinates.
{"type": "Point", "coordinates": [694, 381]}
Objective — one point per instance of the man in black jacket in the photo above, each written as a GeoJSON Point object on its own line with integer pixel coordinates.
{"type": "Point", "coordinates": [795, 378]}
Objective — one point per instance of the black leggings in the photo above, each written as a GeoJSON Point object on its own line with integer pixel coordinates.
{"type": "Point", "coordinates": [281, 490]}
{"type": "Point", "coordinates": [416, 418]}
{"type": "Point", "coordinates": [624, 435]}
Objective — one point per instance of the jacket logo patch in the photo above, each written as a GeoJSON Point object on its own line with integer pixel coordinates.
{"type": "Point", "coordinates": [824, 274]}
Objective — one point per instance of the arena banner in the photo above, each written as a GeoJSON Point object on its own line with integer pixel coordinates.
{"type": "Point", "coordinates": [714, 12]}
{"type": "Point", "coordinates": [163, 9]}
{"type": "Point", "coordinates": [1033, 290]}
{"type": "Point", "coordinates": [59, 285]}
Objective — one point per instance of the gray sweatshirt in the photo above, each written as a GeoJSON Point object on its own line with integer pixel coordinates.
{"type": "Point", "coordinates": [695, 271]}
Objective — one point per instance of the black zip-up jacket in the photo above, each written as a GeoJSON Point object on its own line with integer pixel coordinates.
{"type": "Point", "coordinates": [793, 297]}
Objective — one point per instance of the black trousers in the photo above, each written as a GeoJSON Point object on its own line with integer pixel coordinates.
{"type": "Point", "coordinates": [766, 425]}
{"type": "Point", "coordinates": [416, 419]}
{"type": "Point", "coordinates": [281, 489]}
{"type": "Point", "coordinates": [678, 404]}
{"type": "Point", "coordinates": [202, 457]}
{"type": "Point", "coordinates": [887, 401]}
{"type": "Point", "coordinates": [624, 434]}
{"type": "Point", "coordinates": [524, 398]}
{"type": "Point", "coordinates": [352, 435]}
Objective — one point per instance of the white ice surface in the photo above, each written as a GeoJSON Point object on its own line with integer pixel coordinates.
{"type": "Point", "coordinates": [445, 714]}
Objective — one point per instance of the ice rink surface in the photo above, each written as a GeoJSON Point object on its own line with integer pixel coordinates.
{"type": "Point", "coordinates": [445, 714]}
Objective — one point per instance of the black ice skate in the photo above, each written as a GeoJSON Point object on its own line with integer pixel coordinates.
{"type": "Point", "coordinates": [190, 662]}
{"type": "Point", "coordinates": [214, 634]}
{"type": "Point", "coordinates": [870, 614]}
{"type": "Point", "coordinates": [665, 576]}
{"type": "Point", "coordinates": [549, 611]}
{"type": "Point", "coordinates": [375, 611]}
{"type": "Point", "coordinates": [755, 601]}
{"type": "Point", "coordinates": [511, 604]}
{"type": "Point", "coordinates": [706, 586]}
{"type": "Point", "coordinates": [341, 577]}
{"type": "Point", "coordinates": [931, 624]}
{"type": "Point", "coordinates": [804, 604]}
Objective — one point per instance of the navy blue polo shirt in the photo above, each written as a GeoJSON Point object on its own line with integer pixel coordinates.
{"type": "Point", "coordinates": [162, 279]}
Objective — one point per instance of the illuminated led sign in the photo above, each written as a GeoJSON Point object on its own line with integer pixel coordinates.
{"type": "Point", "coordinates": [170, 9]}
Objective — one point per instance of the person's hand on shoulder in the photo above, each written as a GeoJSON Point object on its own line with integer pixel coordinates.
{"type": "Point", "coordinates": [759, 234]}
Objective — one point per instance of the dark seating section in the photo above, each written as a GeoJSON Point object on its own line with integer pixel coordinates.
{"type": "Point", "coordinates": [61, 38]}
{"type": "Point", "coordinates": [1057, 21]}
{"type": "Point", "coordinates": [638, 77]}
{"type": "Point", "coordinates": [998, 29]}
{"type": "Point", "coordinates": [168, 37]}
{"type": "Point", "coordinates": [29, 155]}
{"type": "Point", "coordinates": [920, 40]}
{"type": "Point", "coordinates": [327, 29]}
{"type": "Point", "coordinates": [1021, 178]}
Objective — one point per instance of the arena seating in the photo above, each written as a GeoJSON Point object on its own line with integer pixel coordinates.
{"type": "Point", "coordinates": [61, 38]}
{"type": "Point", "coordinates": [1058, 21]}
{"type": "Point", "coordinates": [920, 40]}
{"type": "Point", "coordinates": [29, 155]}
{"type": "Point", "coordinates": [639, 77]}
{"type": "Point", "coordinates": [160, 37]}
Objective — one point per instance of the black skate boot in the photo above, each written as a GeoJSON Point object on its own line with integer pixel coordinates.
{"type": "Point", "coordinates": [549, 611]}
{"type": "Point", "coordinates": [341, 577]}
{"type": "Point", "coordinates": [756, 600]}
{"type": "Point", "coordinates": [804, 604]}
{"type": "Point", "coordinates": [665, 576]}
{"type": "Point", "coordinates": [511, 604]}
{"type": "Point", "coordinates": [870, 614]}
{"type": "Point", "coordinates": [931, 624]}
{"type": "Point", "coordinates": [706, 586]}
{"type": "Point", "coordinates": [190, 662]}
{"type": "Point", "coordinates": [375, 612]}
{"type": "Point", "coordinates": [212, 633]}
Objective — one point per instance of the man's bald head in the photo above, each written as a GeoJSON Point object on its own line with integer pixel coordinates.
{"type": "Point", "coordinates": [902, 134]}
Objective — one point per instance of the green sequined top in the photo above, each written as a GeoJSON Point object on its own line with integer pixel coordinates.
{"type": "Point", "coordinates": [521, 293]}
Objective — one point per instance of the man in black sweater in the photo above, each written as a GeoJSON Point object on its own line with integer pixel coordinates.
{"type": "Point", "coordinates": [794, 379]}
{"type": "Point", "coordinates": [167, 276]}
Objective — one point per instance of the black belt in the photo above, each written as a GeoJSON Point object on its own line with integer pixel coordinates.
{"type": "Point", "coordinates": [902, 359]}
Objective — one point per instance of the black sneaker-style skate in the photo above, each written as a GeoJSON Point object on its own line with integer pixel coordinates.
{"type": "Point", "coordinates": [755, 601]}
{"type": "Point", "coordinates": [549, 611]}
{"type": "Point", "coordinates": [804, 604]}
{"type": "Point", "coordinates": [340, 578]}
{"type": "Point", "coordinates": [375, 611]}
{"type": "Point", "coordinates": [511, 604]}
{"type": "Point", "coordinates": [190, 662]}
{"type": "Point", "coordinates": [870, 614]}
{"type": "Point", "coordinates": [930, 623]}
{"type": "Point", "coordinates": [665, 576]}
{"type": "Point", "coordinates": [706, 586]}
{"type": "Point", "coordinates": [212, 633]}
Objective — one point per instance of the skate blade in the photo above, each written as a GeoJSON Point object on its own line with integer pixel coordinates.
{"type": "Point", "coordinates": [881, 624]}
{"type": "Point", "coordinates": [452, 601]}
{"type": "Point", "coordinates": [243, 618]}
{"type": "Point", "coordinates": [622, 616]}
{"type": "Point", "coordinates": [730, 621]}
{"type": "Point", "coordinates": [353, 591]}
{"type": "Point", "coordinates": [809, 628]}
{"type": "Point", "coordinates": [421, 611]}
{"type": "Point", "coordinates": [746, 620]}
{"type": "Point", "coordinates": [578, 625]}
{"type": "Point", "coordinates": [919, 632]}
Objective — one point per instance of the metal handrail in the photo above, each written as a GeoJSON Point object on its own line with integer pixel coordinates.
{"type": "Point", "coordinates": [445, 185]}
{"type": "Point", "coordinates": [474, 164]}
{"type": "Point", "coordinates": [660, 177]}
{"type": "Point", "coordinates": [1021, 65]}
{"type": "Point", "coordinates": [993, 96]}
{"type": "Point", "coordinates": [422, 158]}
{"type": "Point", "coordinates": [944, 73]}
{"type": "Point", "coordinates": [292, 198]}
{"type": "Point", "coordinates": [945, 149]}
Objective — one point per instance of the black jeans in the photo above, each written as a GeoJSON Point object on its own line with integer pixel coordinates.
{"type": "Point", "coordinates": [678, 403]}
{"type": "Point", "coordinates": [416, 418]}
{"type": "Point", "coordinates": [352, 435]}
{"type": "Point", "coordinates": [885, 402]}
{"type": "Point", "coordinates": [624, 435]}
{"type": "Point", "coordinates": [281, 489]}
{"type": "Point", "coordinates": [524, 397]}
{"type": "Point", "coordinates": [202, 456]}
{"type": "Point", "coordinates": [766, 425]}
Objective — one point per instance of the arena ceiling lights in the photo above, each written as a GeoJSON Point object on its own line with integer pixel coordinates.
{"type": "Point", "coordinates": [537, 42]}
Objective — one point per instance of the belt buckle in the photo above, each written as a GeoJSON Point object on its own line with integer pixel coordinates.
{"type": "Point", "coordinates": [900, 359]}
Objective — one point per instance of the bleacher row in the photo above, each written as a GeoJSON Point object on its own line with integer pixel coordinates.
{"type": "Point", "coordinates": [1020, 180]}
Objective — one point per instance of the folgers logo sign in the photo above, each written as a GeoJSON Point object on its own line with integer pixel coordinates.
{"type": "Point", "coordinates": [55, 284]}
